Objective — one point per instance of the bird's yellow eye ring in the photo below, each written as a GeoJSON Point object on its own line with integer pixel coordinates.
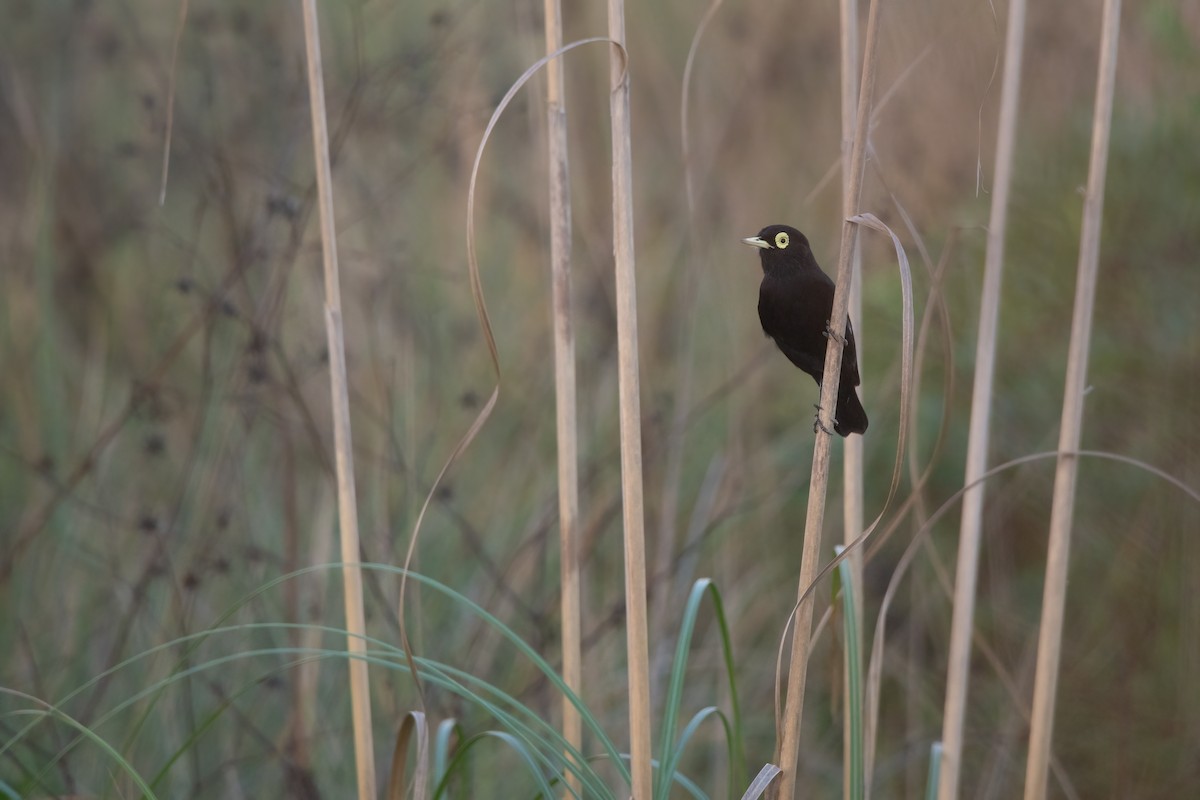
{"type": "Point", "coordinates": [781, 240]}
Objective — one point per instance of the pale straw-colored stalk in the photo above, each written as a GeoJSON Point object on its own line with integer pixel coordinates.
{"type": "Point", "coordinates": [564, 382]}
{"type": "Point", "coordinates": [1062, 510]}
{"type": "Point", "coordinates": [852, 464]}
{"type": "Point", "coordinates": [360, 692]}
{"type": "Point", "coordinates": [971, 528]}
{"type": "Point", "coordinates": [630, 413]}
{"type": "Point", "coordinates": [789, 744]}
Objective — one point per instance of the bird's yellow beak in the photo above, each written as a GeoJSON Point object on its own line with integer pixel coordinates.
{"type": "Point", "coordinates": [755, 241]}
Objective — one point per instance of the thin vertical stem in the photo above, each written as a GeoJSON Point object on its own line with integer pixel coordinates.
{"type": "Point", "coordinates": [1057, 557]}
{"type": "Point", "coordinates": [819, 481]}
{"type": "Point", "coordinates": [360, 690]}
{"type": "Point", "coordinates": [852, 464]}
{"type": "Point", "coordinates": [971, 528]}
{"type": "Point", "coordinates": [564, 382]}
{"type": "Point", "coordinates": [630, 410]}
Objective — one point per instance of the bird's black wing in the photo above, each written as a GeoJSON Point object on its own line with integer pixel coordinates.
{"type": "Point", "coordinates": [850, 356]}
{"type": "Point", "coordinates": [794, 311]}
{"type": "Point", "coordinates": [816, 366]}
{"type": "Point", "coordinates": [805, 361]}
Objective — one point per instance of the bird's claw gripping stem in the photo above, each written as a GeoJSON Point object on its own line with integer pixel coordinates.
{"type": "Point", "coordinates": [829, 334]}
{"type": "Point", "coordinates": [817, 426]}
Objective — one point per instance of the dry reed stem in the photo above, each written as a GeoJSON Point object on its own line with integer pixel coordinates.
{"type": "Point", "coordinates": [906, 394]}
{"type": "Point", "coordinates": [1057, 557]}
{"type": "Point", "coordinates": [564, 387]}
{"type": "Point", "coordinates": [852, 464]}
{"type": "Point", "coordinates": [636, 624]}
{"type": "Point", "coordinates": [814, 521]}
{"type": "Point", "coordinates": [360, 691]}
{"type": "Point", "coordinates": [971, 527]}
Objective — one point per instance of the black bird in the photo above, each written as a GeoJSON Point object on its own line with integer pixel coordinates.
{"type": "Point", "coordinates": [794, 305]}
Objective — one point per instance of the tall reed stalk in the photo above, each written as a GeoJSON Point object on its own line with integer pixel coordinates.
{"type": "Point", "coordinates": [789, 744]}
{"type": "Point", "coordinates": [564, 383]}
{"type": "Point", "coordinates": [1054, 596]}
{"type": "Point", "coordinates": [630, 410]}
{"type": "Point", "coordinates": [360, 691]}
{"type": "Point", "coordinates": [852, 464]}
{"type": "Point", "coordinates": [971, 528]}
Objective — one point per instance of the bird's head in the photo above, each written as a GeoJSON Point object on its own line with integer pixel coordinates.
{"type": "Point", "coordinates": [780, 247]}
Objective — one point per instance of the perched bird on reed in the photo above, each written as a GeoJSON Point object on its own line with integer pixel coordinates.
{"type": "Point", "coordinates": [794, 304]}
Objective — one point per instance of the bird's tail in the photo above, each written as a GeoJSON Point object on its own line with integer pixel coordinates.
{"type": "Point", "coordinates": [850, 417]}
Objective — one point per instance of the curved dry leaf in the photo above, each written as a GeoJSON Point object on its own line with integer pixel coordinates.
{"type": "Point", "coordinates": [762, 781]}
{"type": "Point", "coordinates": [414, 721]}
{"type": "Point", "coordinates": [875, 669]}
{"type": "Point", "coordinates": [485, 325]}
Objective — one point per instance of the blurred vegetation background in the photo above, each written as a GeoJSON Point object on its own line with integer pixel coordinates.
{"type": "Point", "coordinates": [165, 444]}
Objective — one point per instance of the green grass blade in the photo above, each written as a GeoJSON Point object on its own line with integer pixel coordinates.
{"type": "Point", "coordinates": [844, 586]}
{"type": "Point", "coordinates": [935, 771]}
{"type": "Point", "coordinates": [459, 761]}
{"type": "Point", "coordinates": [448, 732]}
{"type": "Point", "coordinates": [667, 746]}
